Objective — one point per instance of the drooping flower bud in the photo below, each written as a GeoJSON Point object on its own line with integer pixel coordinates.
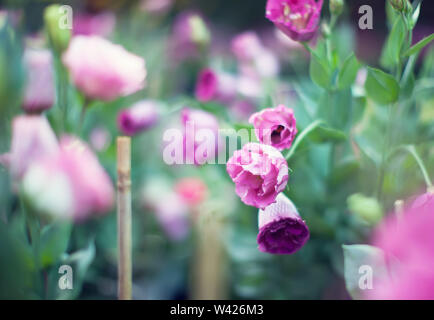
{"type": "Point", "coordinates": [281, 230]}
{"type": "Point", "coordinates": [57, 28]}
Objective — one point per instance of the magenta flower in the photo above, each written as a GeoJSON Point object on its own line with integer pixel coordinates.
{"type": "Point", "coordinates": [101, 24]}
{"type": "Point", "coordinates": [103, 70]}
{"type": "Point", "coordinates": [213, 86]}
{"type": "Point", "coordinates": [39, 93]}
{"type": "Point", "coordinates": [199, 125]}
{"type": "Point", "coordinates": [259, 172]}
{"type": "Point", "coordinates": [275, 126]}
{"type": "Point", "coordinates": [70, 184]}
{"type": "Point", "coordinates": [298, 19]}
{"type": "Point", "coordinates": [32, 139]}
{"type": "Point", "coordinates": [424, 202]}
{"type": "Point", "coordinates": [408, 243]}
{"type": "Point", "coordinates": [281, 230]}
{"type": "Point", "coordinates": [141, 116]}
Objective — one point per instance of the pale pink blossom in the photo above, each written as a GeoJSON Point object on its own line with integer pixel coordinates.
{"type": "Point", "coordinates": [39, 92]}
{"type": "Point", "coordinates": [259, 172]}
{"type": "Point", "coordinates": [141, 116]}
{"type": "Point", "coordinates": [191, 190]}
{"type": "Point", "coordinates": [32, 139]}
{"type": "Point", "coordinates": [103, 70]}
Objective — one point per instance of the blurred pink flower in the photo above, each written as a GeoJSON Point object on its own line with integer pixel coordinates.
{"type": "Point", "coordinates": [32, 139]}
{"type": "Point", "coordinates": [39, 93]}
{"type": "Point", "coordinates": [100, 139]}
{"type": "Point", "coordinates": [259, 172]}
{"type": "Point", "coordinates": [214, 86]}
{"type": "Point", "coordinates": [172, 214]}
{"type": "Point", "coordinates": [275, 126]}
{"type": "Point", "coordinates": [424, 202]}
{"type": "Point", "coordinates": [103, 70]}
{"type": "Point", "coordinates": [199, 125]}
{"type": "Point", "coordinates": [254, 59]}
{"type": "Point", "coordinates": [191, 190]}
{"type": "Point", "coordinates": [298, 19]}
{"type": "Point", "coordinates": [70, 184]}
{"type": "Point", "coordinates": [101, 24]}
{"type": "Point", "coordinates": [139, 117]}
{"type": "Point", "coordinates": [281, 230]}
{"type": "Point", "coordinates": [190, 32]}
{"type": "Point", "coordinates": [242, 109]}
{"type": "Point", "coordinates": [408, 243]}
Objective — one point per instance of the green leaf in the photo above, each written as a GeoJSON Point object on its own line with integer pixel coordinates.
{"type": "Point", "coordinates": [420, 45]}
{"type": "Point", "coordinates": [54, 242]}
{"type": "Point", "coordinates": [348, 72]}
{"type": "Point", "coordinates": [392, 49]}
{"type": "Point", "coordinates": [359, 261]}
{"type": "Point", "coordinates": [320, 72]}
{"type": "Point", "coordinates": [325, 134]}
{"type": "Point", "coordinates": [381, 87]}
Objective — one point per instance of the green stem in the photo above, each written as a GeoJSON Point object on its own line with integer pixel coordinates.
{"type": "Point", "coordinates": [412, 151]}
{"type": "Point", "coordinates": [306, 46]}
{"type": "Point", "coordinates": [303, 135]}
{"type": "Point", "coordinates": [382, 172]}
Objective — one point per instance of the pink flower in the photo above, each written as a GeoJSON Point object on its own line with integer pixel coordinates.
{"type": "Point", "coordinates": [246, 46]}
{"type": "Point", "coordinates": [101, 24]}
{"type": "Point", "coordinates": [424, 202]}
{"type": "Point", "coordinates": [103, 70]}
{"type": "Point", "coordinates": [275, 126]}
{"type": "Point", "coordinates": [281, 230]}
{"type": "Point", "coordinates": [242, 109]}
{"type": "Point", "coordinates": [408, 244]}
{"type": "Point", "coordinates": [259, 172]}
{"type": "Point", "coordinates": [213, 86]}
{"type": "Point", "coordinates": [254, 59]}
{"type": "Point", "coordinates": [190, 32]}
{"type": "Point", "coordinates": [32, 139]}
{"type": "Point", "coordinates": [100, 139]}
{"type": "Point", "coordinates": [139, 117]}
{"type": "Point", "coordinates": [70, 184]}
{"type": "Point", "coordinates": [156, 7]}
{"type": "Point", "coordinates": [201, 136]}
{"type": "Point", "coordinates": [39, 93]}
{"type": "Point", "coordinates": [298, 19]}
{"type": "Point", "coordinates": [192, 190]}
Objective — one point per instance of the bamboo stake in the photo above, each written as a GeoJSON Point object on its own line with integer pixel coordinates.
{"type": "Point", "coordinates": [124, 217]}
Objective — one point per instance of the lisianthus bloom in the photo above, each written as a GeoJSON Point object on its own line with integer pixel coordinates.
{"type": "Point", "coordinates": [281, 230]}
{"type": "Point", "coordinates": [408, 244]}
{"type": "Point", "coordinates": [190, 33]}
{"type": "Point", "coordinates": [298, 19]}
{"type": "Point", "coordinates": [259, 172]}
{"type": "Point", "coordinates": [275, 126]}
{"type": "Point", "coordinates": [215, 86]}
{"type": "Point", "coordinates": [39, 93]}
{"type": "Point", "coordinates": [201, 135]}
{"type": "Point", "coordinates": [70, 184]}
{"type": "Point", "coordinates": [246, 46]}
{"type": "Point", "coordinates": [32, 139]}
{"type": "Point", "coordinates": [139, 117]}
{"type": "Point", "coordinates": [101, 24]}
{"type": "Point", "coordinates": [103, 70]}
{"type": "Point", "coordinates": [191, 190]}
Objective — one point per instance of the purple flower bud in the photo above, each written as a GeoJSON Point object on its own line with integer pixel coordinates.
{"type": "Point", "coordinates": [281, 230]}
{"type": "Point", "coordinates": [139, 117]}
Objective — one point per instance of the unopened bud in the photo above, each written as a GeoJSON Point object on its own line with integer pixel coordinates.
{"type": "Point", "coordinates": [368, 209]}
{"type": "Point", "coordinates": [58, 24]}
{"type": "Point", "coordinates": [336, 7]}
{"type": "Point", "coordinates": [199, 30]}
{"type": "Point", "coordinates": [400, 5]}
